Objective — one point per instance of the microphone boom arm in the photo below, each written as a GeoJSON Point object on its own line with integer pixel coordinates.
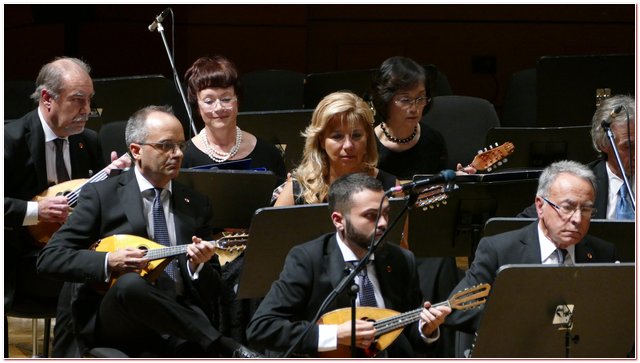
{"type": "Point", "coordinates": [607, 129]}
{"type": "Point", "coordinates": [176, 78]}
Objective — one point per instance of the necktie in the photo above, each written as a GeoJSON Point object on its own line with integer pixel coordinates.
{"type": "Point", "coordinates": [61, 170]}
{"type": "Point", "coordinates": [624, 210]}
{"type": "Point", "coordinates": [366, 295]}
{"type": "Point", "coordinates": [160, 231]}
{"type": "Point", "coordinates": [562, 256]}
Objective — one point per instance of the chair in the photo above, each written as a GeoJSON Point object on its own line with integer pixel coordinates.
{"type": "Point", "coordinates": [318, 85]}
{"type": "Point", "coordinates": [520, 101]}
{"type": "Point", "coordinates": [273, 89]}
{"type": "Point", "coordinates": [118, 98]}
{"type": "Point", "coordinates": [16, 98]}
{"type": "Point", "coordinates": [35, 298]}
{"type": "Point", "coordinates": [464, 122]}
{"type": "Point", "coordinates": [437, 81]}
{"type": "Point", "coordinates": [111, 137]}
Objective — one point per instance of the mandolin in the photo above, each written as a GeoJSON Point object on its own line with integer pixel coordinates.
{"type": "Point", "coordinates": [43, 231]}
{"type": "Point", "coordinates": [227, 248]}
{"type": "Point", "coordinates": [434, 195]}
{"type": "Point", "coordinates": [389, 323]}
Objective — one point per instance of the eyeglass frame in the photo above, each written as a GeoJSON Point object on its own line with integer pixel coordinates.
{"type": "Point", "coordinates": [568, 214]}
{"type": "Point", "coordinates": [412, 101]}
{"type": "Point", "coordinates": [226, 106]}
{"type": "Point", "coordinates": [162, 146]}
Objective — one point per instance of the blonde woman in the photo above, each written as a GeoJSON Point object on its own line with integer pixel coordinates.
{"type": "Point", "coordinates": [340, 140]}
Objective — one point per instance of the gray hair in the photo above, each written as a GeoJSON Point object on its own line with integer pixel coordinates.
{"type": "Point", "coordinates": [51, 76]}
{"type": "Point", "coordinates": [628, 104]}
{"type": "Point", "coordinates": [551, 172]}
{"type": "Point", "coordinates": [136, 130]}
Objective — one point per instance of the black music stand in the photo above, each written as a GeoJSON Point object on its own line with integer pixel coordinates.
{"type": "Point", "coordinates": [567, 85]}
{"type": "Point", "coordinates": [537, 147]}
{"type": "Point", "coordinates": [619, 232]}
{"type": "Point", "coordinates": [275, 230]}
{"type": "Point", "coordinates": [531, 306]}
{"type": "Point", "coordinates": [281, 128]}
{"type": "Point", "coordinates": [234, 194]}
{"type": "Point", "coordinates": [455, 229]}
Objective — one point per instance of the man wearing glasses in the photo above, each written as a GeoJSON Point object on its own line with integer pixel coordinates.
{"type": "Point", "coordinates": [171, 316]}
{"type": "Point", "coordinates": [564, 203]}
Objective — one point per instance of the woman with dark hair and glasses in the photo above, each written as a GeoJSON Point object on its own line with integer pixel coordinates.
{"type": "Point", "coordinates": [406, 146]}
{"type": "Point", "coordinates": [213, 87]}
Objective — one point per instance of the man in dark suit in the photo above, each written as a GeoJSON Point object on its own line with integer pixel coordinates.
{"type": "Point", "coordinates": [312, 270]}
{"type": "Point", "coordinates": [171, 316]}
{"type": "Point", "coordinates": [33, 161]}
{"type": "Point", "coordinates": [564, 203]}
{"type": "Point", "coordinates": [607, 172]}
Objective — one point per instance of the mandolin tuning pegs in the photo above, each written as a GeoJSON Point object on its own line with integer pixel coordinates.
{"type": "Point", "coordinates": [496, 144]}
{"type": "Point", "coordinates": [505, 160]}
{"type": "Point", "coordinates": [499, 163]}
{"type": "Point", "coordinates": [480, 151]}
{"type": "Point", "coordinates": [489, 168]}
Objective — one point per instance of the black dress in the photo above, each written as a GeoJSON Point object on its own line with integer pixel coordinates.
{"type": "Point", "coordinates": [428, 156]}
{"type": "Point", "coordinates": [263, 155]}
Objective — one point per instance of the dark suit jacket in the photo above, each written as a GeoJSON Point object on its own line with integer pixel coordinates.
{"type": "Point", "coordinates": [311, 271]}
{"type": "Point", "coordinates": [517, 247]}
{"type": "Point", "coordinates": [602, 192]}
{"type": "Point", "coordinates": [25, 176]}
{"type": "Point", "coordinates": [114, 206]}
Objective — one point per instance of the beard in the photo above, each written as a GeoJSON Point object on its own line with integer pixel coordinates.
{"type": "Point", "coordinates": [354, 236]}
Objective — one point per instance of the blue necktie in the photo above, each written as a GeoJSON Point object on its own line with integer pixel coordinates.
{"type": "Point", "coordinates": [366, 294]}
{"type": "Point", "coordinates": [624, 210]}
{"type": "Point", "coordinates": [160, 231]}
{"type": "Point", "coordinates": [61, 170]}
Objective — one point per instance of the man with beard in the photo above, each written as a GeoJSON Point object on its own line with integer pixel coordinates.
{"type": "Point", "coordinates": [312, 270]}
{"type": "Point", "coordinates": [565, 204]}
{"type": "Point", "coordinates": [47, 146]}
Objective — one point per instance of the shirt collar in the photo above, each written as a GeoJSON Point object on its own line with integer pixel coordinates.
{"type": "Point", "coordinates": [49, 135]}
{"type": "Point", "coordinates": [144, 184]}
{"type": "Point", "coordinates": [347, 254]}
{"type": "Point", "coordinates": [547, 247]}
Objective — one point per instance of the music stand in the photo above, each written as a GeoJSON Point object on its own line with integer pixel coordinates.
{"type": "Point", "coordinates": [528, 304]}
{"type": "Point", "coordinates": [567, 85]}
{"type": "Point", "coordinates": [275, 230]}
{"type": "Point", "coordinates": [537, 147]}
{"type": "Point", "coordinates": [454, 229]}
{"type": "Point", "coordinates": [281, 128]}
{"type": "Point", "coordinates": [234, 194]}
{"type": "Point", "coordinates": [619, 232]}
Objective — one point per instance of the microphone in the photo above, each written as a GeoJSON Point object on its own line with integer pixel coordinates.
{"type": "Point", "coordinates": [616, 111]}
{"type": "Point", "coordinates": [159, 19]}
{"type": "Point", "coordinates": [444, 176]}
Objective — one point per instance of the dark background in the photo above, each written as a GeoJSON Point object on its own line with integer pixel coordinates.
{"type": "Point", "coordinates": [477, 47]}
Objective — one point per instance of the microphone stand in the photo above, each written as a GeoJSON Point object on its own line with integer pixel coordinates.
{"type": "Point", "coordinates": [607, 128]}
{"type": "Point", "coordinates": [348, 280]}
{"type": "Point", "coordinates": [176, 80]}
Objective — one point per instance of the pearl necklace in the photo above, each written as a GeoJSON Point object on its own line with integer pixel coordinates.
{"type": "Point", "coordinates": [399, 141]}
{"type": "Point", "coordinates": [217, 155]}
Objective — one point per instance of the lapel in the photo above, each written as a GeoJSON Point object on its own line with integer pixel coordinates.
{"type": "Point", "coordinates": [35, 138]}
{"type": "Point", "coordinates": [80, 166]}
{"type": "Point", "coordinates": [531, 244]}
{"type": "Point", "coordinates": [182, 213]}
{"type": "Point", "coordinates": [131, 201]}
{"type": "Point", "coordinates": [384, 266]}
{"type": "Point", "coordinates": [602, 193]}
{"type": "Point", "coordinates": [584, 251]}
{"type": "Point", "coordinates": [335, 268]}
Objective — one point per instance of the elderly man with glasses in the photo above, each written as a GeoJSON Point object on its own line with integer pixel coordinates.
{"type": "Point", "coordinates": [564, 203]}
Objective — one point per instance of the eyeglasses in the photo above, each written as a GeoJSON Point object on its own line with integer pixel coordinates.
{"type": "Point", "coordinates": [406, 102]}
{"type": "Point", "coordinates": [225, 102]}
{"type": "Point", "coordinates": [166, 146]}
{"type": "Point", "coordinates": [568, 210]}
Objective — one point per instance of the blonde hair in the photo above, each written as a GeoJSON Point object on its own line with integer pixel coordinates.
{"type": "Point", "coordinates": [313, 171]}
